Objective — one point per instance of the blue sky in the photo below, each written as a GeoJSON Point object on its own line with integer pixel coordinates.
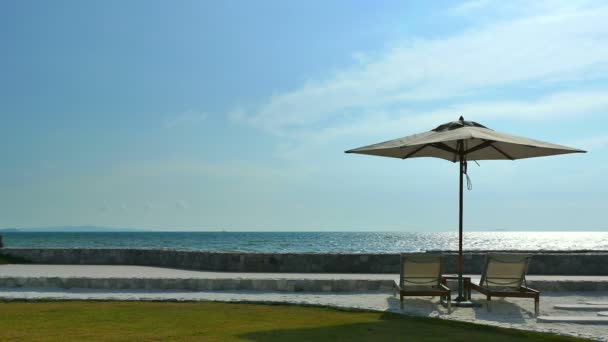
{"type": "Point", "coordinates": [235, 114]}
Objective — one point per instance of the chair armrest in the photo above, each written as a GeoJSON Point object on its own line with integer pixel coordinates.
{"type": "Point", "coordinates": [444, 287]}
{"type": "Point", "coordinates": [477, 287]}
{"type": "Point", "coordinates": [527, 289]}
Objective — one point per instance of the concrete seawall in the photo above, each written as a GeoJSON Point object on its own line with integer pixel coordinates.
{"type": "Point", "coordinates": [543, 263]}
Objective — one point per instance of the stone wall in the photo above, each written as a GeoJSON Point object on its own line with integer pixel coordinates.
{"type": "Point", "coordinates": [545, 263]}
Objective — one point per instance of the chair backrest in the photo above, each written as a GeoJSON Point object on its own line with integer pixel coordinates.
{"type": "Point", "coordinates": [421, 269]}
{"type": "Point", "coordinates": [505, 270]}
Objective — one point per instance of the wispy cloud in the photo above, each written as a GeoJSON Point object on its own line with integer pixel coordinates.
{"type": "Point", "coordinates": [468, 7]}
{"type": "Point", "coordinates": [386, 125]}
{"type": "Point", "coordinates": [549, 48]}
{"type": "Point", "coordinates": [479, 9]}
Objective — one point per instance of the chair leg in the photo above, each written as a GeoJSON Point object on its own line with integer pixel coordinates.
{"type": "Point", "coordinates": [401, 300]}
{"type": "Point", "coordinates": [489, 303]}
{"type": "Point", "coordinates": [449, 304]}
{"type": "Point", "coordinates": [536, 306]}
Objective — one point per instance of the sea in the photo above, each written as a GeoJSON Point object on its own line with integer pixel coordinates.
{"type": "Point", "coordinates": [312, 242]}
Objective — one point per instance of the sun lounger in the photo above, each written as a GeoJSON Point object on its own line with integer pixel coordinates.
{"type": "Point", "coordinates": [504, 275]}
{"type": "Point", "coordinates": [420, 275]}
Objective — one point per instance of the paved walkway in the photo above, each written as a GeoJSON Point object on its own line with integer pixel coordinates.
{"type": "Point", "coordinates": [101, 271]}
{"type": "Point", "coordinates": [113, 271]}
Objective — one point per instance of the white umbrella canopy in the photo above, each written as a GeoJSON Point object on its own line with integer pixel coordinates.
{"type": "Point", "coordinates": [460, 141]}
{"type": "Point", "coordinates": [475, 141]}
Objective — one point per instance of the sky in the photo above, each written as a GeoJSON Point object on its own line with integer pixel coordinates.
{"type": "Point", "coordinates": [235, 115]}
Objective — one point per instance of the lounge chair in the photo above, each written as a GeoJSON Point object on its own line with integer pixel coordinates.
{"type": "Point", "coordinates": [420, 275]}
{"type": "Point", "coordinates": [504, 275]}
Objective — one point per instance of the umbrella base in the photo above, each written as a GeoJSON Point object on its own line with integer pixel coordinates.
{"type": "Point", "coordinates": [461, 302]}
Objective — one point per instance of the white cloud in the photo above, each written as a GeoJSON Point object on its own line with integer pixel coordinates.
{"type": "Point", "coordinates": [384, 125]}
{"type": "Point", "coordinates": [479, 9]}
{"type": "Point", "coordinates": [468, 7]}
{"type": "Point", "coordinates": [562, 45]}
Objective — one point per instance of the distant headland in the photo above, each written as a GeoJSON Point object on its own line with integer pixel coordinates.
{"type": "Point", "coordinates": [67, 229]}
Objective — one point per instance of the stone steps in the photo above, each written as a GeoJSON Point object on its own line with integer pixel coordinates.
{"type": "Point", "coordinates": [580, 307]}
{"type": "Point", "coordinates": [567, 283]}
{"type": "Point", "coordinates": [573, 319]}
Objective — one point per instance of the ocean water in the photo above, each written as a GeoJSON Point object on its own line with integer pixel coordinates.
{"type": "Point", "coordinates": [313, 242]}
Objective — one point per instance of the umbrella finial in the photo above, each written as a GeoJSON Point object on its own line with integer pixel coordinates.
{"type": "Point", "coordinates": [461, 118]}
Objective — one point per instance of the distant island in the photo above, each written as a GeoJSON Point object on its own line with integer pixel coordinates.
{"type": "Point", "coordinates": [67, 229]}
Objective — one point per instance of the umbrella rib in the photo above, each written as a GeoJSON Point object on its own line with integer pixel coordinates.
{"type": "Point", "coordinates": [415, 151]}
{"type": "Point", "coordinates": [444, 147]}
{"type": "Point", "coordinates": [500, 151]}
{"type": "Point", "coordinates": [485, 144]}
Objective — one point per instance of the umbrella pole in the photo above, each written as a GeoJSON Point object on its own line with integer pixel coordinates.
{"type": "Point", "coordinates": [460, 297]}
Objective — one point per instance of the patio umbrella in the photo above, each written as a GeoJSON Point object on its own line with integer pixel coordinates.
{"type": "Point", "coordinates": [461, 141]}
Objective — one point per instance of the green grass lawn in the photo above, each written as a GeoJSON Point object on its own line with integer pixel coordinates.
{"type": "Point", "coordinates": [208, 321]}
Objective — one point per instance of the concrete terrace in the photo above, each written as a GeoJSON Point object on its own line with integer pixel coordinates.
{"type": "Point", "coordinates": [345, 291]}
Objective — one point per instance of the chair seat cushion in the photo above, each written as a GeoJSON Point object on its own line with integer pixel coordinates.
{"type": "Point", "coordinates": [418, 288]}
